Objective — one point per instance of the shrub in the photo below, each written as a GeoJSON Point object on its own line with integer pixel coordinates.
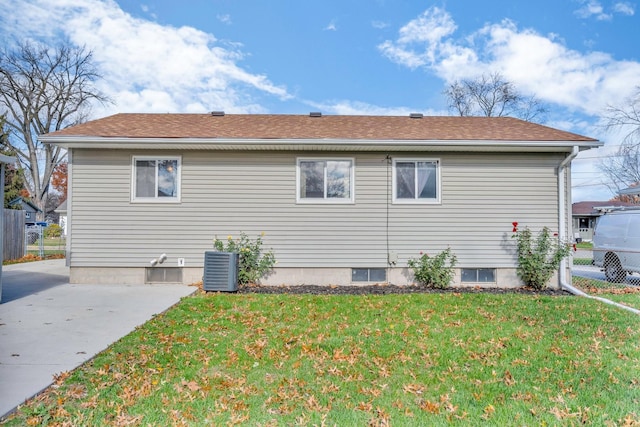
{"type": "Point", "coordinates": [253, 262]}
{"type": "Point", "coordinates": [538, 257]}
{"type": "Point", "coordinates": [52, 231]}
{"type": "Point", "coordinates": [433, 271]}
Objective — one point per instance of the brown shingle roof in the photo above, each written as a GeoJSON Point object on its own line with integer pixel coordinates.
{"type": "Point", "coordinates": [588, 207]}
{"type": "Point", "coordinates": [269, 126]}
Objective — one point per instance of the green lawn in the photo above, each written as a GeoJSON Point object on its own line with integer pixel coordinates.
{"type": "Point", "coordinates": [410, 360]}
{"type": "Point", "coordinates": [584, 245]}
{"type": "Point", "coordinates": [624, 294]}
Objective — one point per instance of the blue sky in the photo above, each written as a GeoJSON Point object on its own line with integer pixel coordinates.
{"type": "Point", "coordinates": [350, 56]}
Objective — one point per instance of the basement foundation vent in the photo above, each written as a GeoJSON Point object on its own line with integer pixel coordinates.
{"type": "Point", "coordinates": [163, 275]}
{"type": "Point", "coordinates": [220, 271]}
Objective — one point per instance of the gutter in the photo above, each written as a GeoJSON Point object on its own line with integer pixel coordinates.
{"type": "Point", "coordinates": [562, 170]}
{"type": "Point", "coordinates": [80, 141]}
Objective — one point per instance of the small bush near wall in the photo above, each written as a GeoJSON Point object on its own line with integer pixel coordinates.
{"type": "Point", "coordinates": [538, 257]}
{"type": "Point", "coordinates": [254, 263]}
{"type": "Point", "coordinates": [434, 271]}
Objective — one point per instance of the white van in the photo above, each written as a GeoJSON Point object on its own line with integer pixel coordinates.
{"type": "Point", "coordinates": [616, 244]}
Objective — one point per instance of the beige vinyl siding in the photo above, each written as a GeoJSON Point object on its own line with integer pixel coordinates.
{"type": "Point", "coordinates": [223, 193]}
{"type": "Point", "coordinates": [482, 194]}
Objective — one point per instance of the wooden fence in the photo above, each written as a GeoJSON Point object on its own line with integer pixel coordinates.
{"type": "Point", "coordinates": [13, 243]}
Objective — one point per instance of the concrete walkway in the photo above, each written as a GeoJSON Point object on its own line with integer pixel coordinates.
{"type": "Point", "coordinates": [48, 326]}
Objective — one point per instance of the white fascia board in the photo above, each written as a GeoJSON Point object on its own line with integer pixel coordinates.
{"type": "Point", "coordinates": [7, 159]}
{"type": "Point", "coordinates": [312, 144]}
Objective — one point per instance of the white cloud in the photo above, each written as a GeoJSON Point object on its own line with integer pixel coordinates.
{"type": "Point", "coordinates": [225, 19]}
{"type": "Point", "coordinates": [537, 64]}
{"type": "Point", "coordinates": [593, 8]}
{"type": "Point", "coordinates": [423, 41]}
{"type": "Point", "coordinates": [432, 26]}
{"type": "Point", "coordinates": [624, 8]}
{"type": "Point", "coordinates": [146, 67]}
{"type": "Point", "coordinates": [347, 107]}
{"type": "Point", "coordinates": [379, 25]}
{"type": "Point", "coordinates": [401, 55]}
{"type": "Point", "coordinates": [331, 26]}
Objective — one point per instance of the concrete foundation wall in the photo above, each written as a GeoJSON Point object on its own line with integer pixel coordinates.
{"type": "Point", "coordinates": [105, 275]}
{"type": "Point", "coordinates": [505, 277]}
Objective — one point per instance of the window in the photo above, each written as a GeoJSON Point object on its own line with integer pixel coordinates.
{"type": "Point", "coordinates": [329, 180]}
{"type": "Point", "coordinates": [377, 275]}
{"type": "Point", "coordinates": [416, 181]}
{"type": "Point", "coordinates": [634, 227]}
{"type": "Point", "coordinates": [156, 179]}
{"type": "Point", "coordinates": [478, 275]}
{"type": "Point", "coordinates": [585, 222]}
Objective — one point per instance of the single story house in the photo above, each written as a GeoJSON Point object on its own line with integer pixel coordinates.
{"type": "Point", "coordinates": [31, 210]}
{"type": "Point", "coordinates": [585, 216]}
{"type": "Point", "coordinates": [340, 199]}
{"type": "Point", "coordinates": [632, 193]}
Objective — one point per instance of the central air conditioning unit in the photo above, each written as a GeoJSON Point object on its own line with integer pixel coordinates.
{"type": "Point", "coordinates": [220, 271]}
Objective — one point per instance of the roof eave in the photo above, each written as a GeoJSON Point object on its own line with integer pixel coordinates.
{"type": "Point", "coordinates": [312, 144]}
{"type": "Point", "coordinates": [7, 159]}
{"type": "Point", "coordinates": [629, 191]}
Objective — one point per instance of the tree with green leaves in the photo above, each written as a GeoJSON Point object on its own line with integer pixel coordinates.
{"type": "Point", "coordinates": [42, 90]}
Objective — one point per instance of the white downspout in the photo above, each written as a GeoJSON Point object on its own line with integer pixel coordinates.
{"type": "Point", "coordinates": [562, 232]}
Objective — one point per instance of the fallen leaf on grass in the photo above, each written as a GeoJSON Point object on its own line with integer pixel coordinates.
{"type": "Point", "coordinates": [488, 411]}
{"type": "Point", "coordinates": [413, 388]}
{"type": "Point", "coordinates": [631, 420]}
{"type": "Point", "coordinates": [60, 377]}
{"type": "Point", "coordinates": [431, 407]}
{"type": "Point", "coordinates": [508, 378]}
{"type": "Point", "coordinates": [77, 391]}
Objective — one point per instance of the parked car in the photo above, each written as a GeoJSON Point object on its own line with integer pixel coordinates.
{"type": "Point", "coordinates": [616, 244]}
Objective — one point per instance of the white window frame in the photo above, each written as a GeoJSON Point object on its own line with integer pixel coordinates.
{"type": "Point", "coordinates": [326, 200]}
{"type": "Point", "coordinates": [477, 271]}
{"type": "Point", "coordinates": [416, 200]}
{"type": "Point", "coordinates": [368, 270]}
{"type": "Point", "coordinates": [156, 199]}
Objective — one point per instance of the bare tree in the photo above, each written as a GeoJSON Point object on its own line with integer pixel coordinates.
{"type": "Point", "coordinates": [626, 116]}
{"type": "Point", "coordinates": [43, 90]}
{"type": "Point", "coordinates": [623, 168]}
{"type": "Point", "coordinates": [491, 95]}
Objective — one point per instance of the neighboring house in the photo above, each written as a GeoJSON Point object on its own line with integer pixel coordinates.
{"type": "Point", "coordinates": [30, 209]}
{"type": "Point", "coordinates": [632, 193]}
{"type": "Point", "coordinates": [586, 214]}
{"type": "Point", "coordinates": [341, 199]}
